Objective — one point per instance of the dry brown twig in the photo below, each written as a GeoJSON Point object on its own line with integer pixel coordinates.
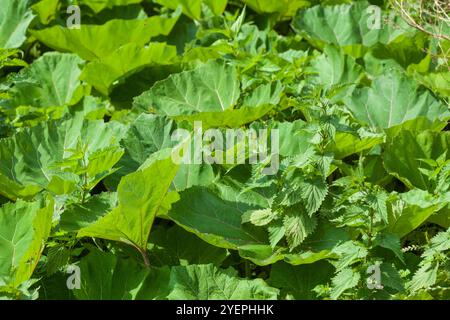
{"type": "Point", "coordinates": [426, 16]}
{"type": "Point", "coordinates": [430, 17]}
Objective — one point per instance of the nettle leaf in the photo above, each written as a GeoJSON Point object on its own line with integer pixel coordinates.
{"type": "Point", "coordinates": [46, 156]}
{"type": "Point", "coordinates": [427, 274]}
{"type": "Point", "coordinates": [212, 87]}
{"type": "Point", "coordinates": [276, 232]}
{"type": "Point", "coordinates": [141, 196]}
{"type": "Point", "coordinates": [391, 277]}
{"type": "Point", "coordinates": [298, 226]}
{"type": "Point", "coordinates": [319, 245]}
{"type": "Point", "coordinates": [377, 201]}
{"type": "Point", "coordinates": [92, 42]}
{"type": "Point", "coordinates": [425, 277]}
{"type": "Point", "coordinates": [439, 243]}
{"type": "Point", "coordinates": [50, 81]}
{"type": "Point", "coordinates": [349, 253]}
{"type": "Point", "coordinates": [403, 156]}
{"type": "Point", "coordinates": [344, 25]}
{"type": "Point", "coordinates": [15, 17]}
{"type": "Point", "coordinates": [206, 282]}
{"type": "Point", "coordinates": [258, 217]}
{"type": "Point", "coordinates": [10, 58]}
{"type": "Point", "coordinates": [344, 280]}
{"type": "Point", "coordinates": [313, 192]}
{"type": "Point", "coordinates": [24, 227]}
{"type": "Point", "coordinates": [104, 73]}
{"type": "Point", "coordinates": [392, 100]}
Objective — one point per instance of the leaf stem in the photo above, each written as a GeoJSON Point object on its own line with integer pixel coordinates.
{"type": "Point", "coordinates": [145, 257]}
{"type": "Point", "coordinates": [248, 271]}
{"type": "Point", "coordinates": [370, 234]}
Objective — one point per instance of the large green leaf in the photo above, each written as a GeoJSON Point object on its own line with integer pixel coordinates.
{"type": "Point", "coordinates": [293, 139]}
{"type": "Point", "coordinates": [411, 210]}
{"type": "Point", "coordinates": [50, 81]}
{"type": "Point", "coordinates": [35, 158]}
{"type": "Point", "coordinates": [93, 42]}
{"type": "Point", "coordinates": [147, 135]}
{"type": "Point", "coordinates": [316, 247]}
{"type": "Point", "coordinates": [175, 246]}
{"type": "Point", "coordinates": [283, 7]}
{"type": "Point", "coordinates": [344, 280]}
{"type": "Point", "coordinates": [207, 94]}
{"type": "Point", "coordinates": [264, 94]}
{"type": "Point", "coordinates": [15, 18]}
{"type": "Point", "coordinates": [193, 8]}
{"type": "Point", "coordinates": [392, 100]}
{"type": "Point", "coordinates": [24, 227]}
{"type": "Point", "coordinates": [299, 281]}
{"type": "Point", "coordinates": [442, 218]}
{"type": "Point", "coordinates": [436, 81]}
{"type": "Point", "coordinates": [140, 196]}
{"type": "Point", "coordinates": [105, 73]}
{"type": "Point", "coordinates": [333, 67]}
{"type": "Point", "coordinates": [99, 5]}
{"type": "Point", "coordinates": [403, 156]}
{"type": "Point", "coordinates": [46, 10]}
{"type": "Point", "coordinates": [80, 215]}
{"type": "Point", "coordinates": [214, 220]}
{"type": "Point", "coordinates": [206, 282]}
{"type": "Point", "coordinates": [344, 25]}
{"type": "Point", "coordinates": [104, 276]}
{"type": "Point", "coordinates": [347, 143]}
{"type": "Point", "coordinates": [211, 87]}
{"type": "Point", "coordinates": [231, 118]}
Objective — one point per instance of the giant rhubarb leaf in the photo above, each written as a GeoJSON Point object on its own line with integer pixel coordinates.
{"type": "Point", "coordinates": [92, 42]}
{"type": "Point", "coordinates": [24, 227]}
{"type": "Point", "coordinates": [141, 196]}
{"type": "Point", "coordinates": [42, 156]}
{"type": "Point", "coordinates": [392, 100]}
{"type": "Point", "coordinates": [15, 18]}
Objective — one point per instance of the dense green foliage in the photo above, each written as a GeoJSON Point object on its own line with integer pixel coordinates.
{"type": "Point", "coordinates": [88, 186]}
